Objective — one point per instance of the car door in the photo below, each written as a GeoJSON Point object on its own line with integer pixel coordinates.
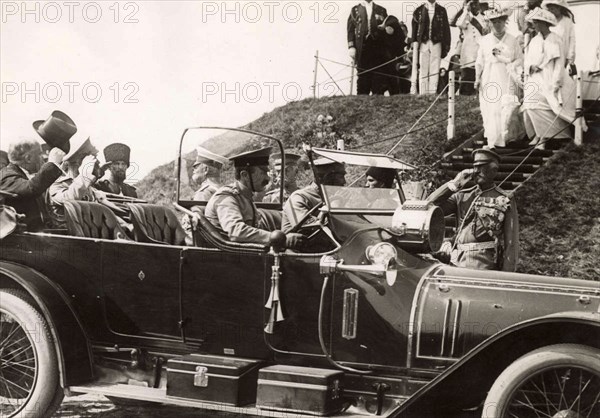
{"type": "Point", "coordinates": [223, 300]}
{"type": "Point", "coordinates": [140, 283]}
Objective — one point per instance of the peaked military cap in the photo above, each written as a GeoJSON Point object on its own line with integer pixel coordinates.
{"type": "Point", "coordinates": [204, 156]}
{"type": "Point", "coordinates": [325, 164]}
{"type": "Point", "coordinates": [484, 156]}
{"type": "Point", "coordinates": [290, 158]}
{"type": "Point", "coordinates": [253, 158]}
{"type": "Point", "coordinates": [56, 130]}
{"type": "Point", "coordinates": [117, 152]}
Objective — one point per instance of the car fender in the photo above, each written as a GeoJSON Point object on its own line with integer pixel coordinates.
{"type": "Point", "coordinates": [466, 383]}
{"type": "Point", "coordinates": [72, 345]}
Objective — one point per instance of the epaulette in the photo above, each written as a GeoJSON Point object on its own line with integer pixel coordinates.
{"type": "Point", "coordinates": [228, 190]}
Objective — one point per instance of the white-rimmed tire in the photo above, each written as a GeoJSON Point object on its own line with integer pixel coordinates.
{"type": "Point", "coordinates": [29, 381]}
{"type": "Point", "coordinates": [557, 381]}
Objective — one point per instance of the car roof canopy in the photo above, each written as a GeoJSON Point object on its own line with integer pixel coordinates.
{"type": "Point", "coordinates": [363, 159]}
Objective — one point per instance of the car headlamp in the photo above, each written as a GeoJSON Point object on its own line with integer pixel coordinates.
{"type": "Point", "coordinates": [384, 254]}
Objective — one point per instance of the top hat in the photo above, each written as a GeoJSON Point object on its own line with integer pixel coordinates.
{"type": "Point", "coordinates": [290, 158]}
{"type": "Point", "coordinates": [204, 156]}
{"type": "Point", "coordinates": [117, 152]}
{"type": "Point", "coordinates": [56, 130]}
{"type": "Point", "coordinates": [81, 148]}
{"type": "Point", "coordinates": [254, 158]}
{"type": "Point", "coordinates": [541, 15]}
{"type": "Point", "coordinates": [484, 156]}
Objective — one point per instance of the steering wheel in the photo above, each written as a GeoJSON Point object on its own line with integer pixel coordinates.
{"type": "Point", "coordinates": [305, 219]}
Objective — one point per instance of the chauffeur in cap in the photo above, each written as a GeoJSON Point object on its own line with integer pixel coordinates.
{"type": "Point", "coordinates": [326, 172]}
{"type": "Point", "coordinates": [290, 174]}
{"type": "Point", "coordinates": [488, 234]}
{"type": "Point", "coordinates": [117, 158]}
{"type": "Point", "coordinates": [81, 170]}
{"type": "Point", "coordinates": [232, 210]}
{"type": "Point", "coordinates": [207, 174]}
{"type": "Point", "coordinates": [27, 177]}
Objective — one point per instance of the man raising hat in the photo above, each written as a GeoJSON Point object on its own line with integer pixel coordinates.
{"type": "Point", "coordinates": [207, 174]}
{"type": "Point", "coordinates": [232, 210]}
{"type": "Point", "coordinates": [487, 237]}
{"type": "Point", "coordinates": [117, 158]}
{"type": "Point", "coordinates": [27, 177]}
{"type": "Point", "coordinates": [81, 170]}
{"type": "Point", "coordinates": [326, 172]}
{"type": "Point", "coordinates": [290, 174]}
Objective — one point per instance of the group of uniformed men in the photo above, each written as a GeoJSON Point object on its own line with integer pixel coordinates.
{"type": "Point", "coordinates": [487, 235]}
{"type": "Point", "coordinates": [38, 188]}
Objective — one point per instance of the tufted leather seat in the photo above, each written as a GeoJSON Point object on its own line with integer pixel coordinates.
{"type": "Point", "coordinates": [156, 224]}
{"type": "Point", "coordinates": [209, 236]}
{"type": "Point", "coordinates": [92, 220]}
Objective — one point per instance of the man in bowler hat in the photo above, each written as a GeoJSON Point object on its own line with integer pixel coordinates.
{"type": "Point", "coordinates": [487, 237]}
{"type": "Point", "coordinates": [117, 157]}
{"type": "Point", "coordinates": [27, 177]}
{"type": "Point", "coordinates": [232, 210]}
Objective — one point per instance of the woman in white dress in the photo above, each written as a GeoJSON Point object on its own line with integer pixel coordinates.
{"type": "Point", "coordinates": [498, 52]}
{"type": "Point", "coordinates": [565, 28]}
{"type": "Point", "coordinates": [549, 93]}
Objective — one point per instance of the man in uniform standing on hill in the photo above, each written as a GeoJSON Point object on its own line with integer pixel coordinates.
{"type": "Point", "coordinates": [487, 237]}
{"type": "Point", "coordinates": [365, 44]}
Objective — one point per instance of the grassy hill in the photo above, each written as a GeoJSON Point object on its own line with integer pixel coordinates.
{"type": "Point", "coordinates": [559, 208]}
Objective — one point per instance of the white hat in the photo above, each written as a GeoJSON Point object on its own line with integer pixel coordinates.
{"type": "Point", "coordinates": [541, 15]}
{"type": "Point", "coordinates": [561, 3]}
{"type": "Point", "coordinates": [497, 11]}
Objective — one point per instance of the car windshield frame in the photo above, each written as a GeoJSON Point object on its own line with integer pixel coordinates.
{"type": "Point", "coordinates": [250, 133]}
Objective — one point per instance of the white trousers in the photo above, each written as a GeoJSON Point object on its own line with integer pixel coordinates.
{"type": "Point", "coordinates": [430, 57]}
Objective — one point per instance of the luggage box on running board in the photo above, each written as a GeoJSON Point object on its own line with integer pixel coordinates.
{"type": "Point", "coordinates": [226, 380]}
{"type": "Point", "coordinates": [300, 389]}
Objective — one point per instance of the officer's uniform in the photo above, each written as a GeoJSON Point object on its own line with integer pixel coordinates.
{"type": "Point", "coordinates": [487, 237]}
{"type": "Point", "coordinates": [291, 159]}
{"type": "Point", "coordinates": [207, 189]}
{"type": "Point", "coordinates": [298, 205]}
{"type": "Point", "coordinates": [232, 210]}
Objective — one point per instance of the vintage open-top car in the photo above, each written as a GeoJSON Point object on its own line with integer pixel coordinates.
{"type": "Point", "coordinates": [360, 321]}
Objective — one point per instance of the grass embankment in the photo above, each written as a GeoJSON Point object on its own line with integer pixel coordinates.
{"type": "Point", "coordinates": [559, 211]}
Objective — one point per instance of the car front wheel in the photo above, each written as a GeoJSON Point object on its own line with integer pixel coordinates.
{"type": "Point", "coordinates": [557, 381]}
{"type": "Point", "coordinates": [29, 382]}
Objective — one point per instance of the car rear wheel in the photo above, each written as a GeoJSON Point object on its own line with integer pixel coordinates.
{"type": "Point", "coordinates": [558, 381]}
{"type": "Point", "coordinates": [29, 384]}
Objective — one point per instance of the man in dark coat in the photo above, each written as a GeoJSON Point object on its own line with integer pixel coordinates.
{"type": "Point", "coordinates": [366, 45]}
{"type": "Point", "coordinates": [394, 41]}
{"type": "Point", "coordinates": [28, 178]}
{"type": "Point", "coordinates": [431, 29]}
{"type": "Point", "coordinates": [117, 157]}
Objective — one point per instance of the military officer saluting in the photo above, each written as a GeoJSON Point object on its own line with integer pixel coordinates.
{"type": "Point", "coordinates": [290, 174]}
{"type": "Point", "coordinates": [117, 157]}
{"type": "Point", "coordinates": [207, 173]}
{"type": "Point", "coordinates": [487, 237]}
{"type": "Point", "coordinates": [232, 210]}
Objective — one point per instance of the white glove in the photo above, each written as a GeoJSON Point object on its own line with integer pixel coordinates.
{"type": "Point", "coordinates": [352, 53]}
{"type": "Point", "coordinates": [88, 168]}
{"type": "Point", "coordinates": [461, 180]}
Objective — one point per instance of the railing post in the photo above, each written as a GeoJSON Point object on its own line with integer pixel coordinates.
{"type": "Point", "coordinates": [315, 74]}
{"type": "Point", "coordinates": [579, 110]}
{"type": "Point", "coordinates": [340, 145]}
{"type": "Point", "coordinates": [414, 76]}
{"type": "Point", "coordinates": [352, 78]}
{"type": "Point", "coordinates": [451, 106]}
